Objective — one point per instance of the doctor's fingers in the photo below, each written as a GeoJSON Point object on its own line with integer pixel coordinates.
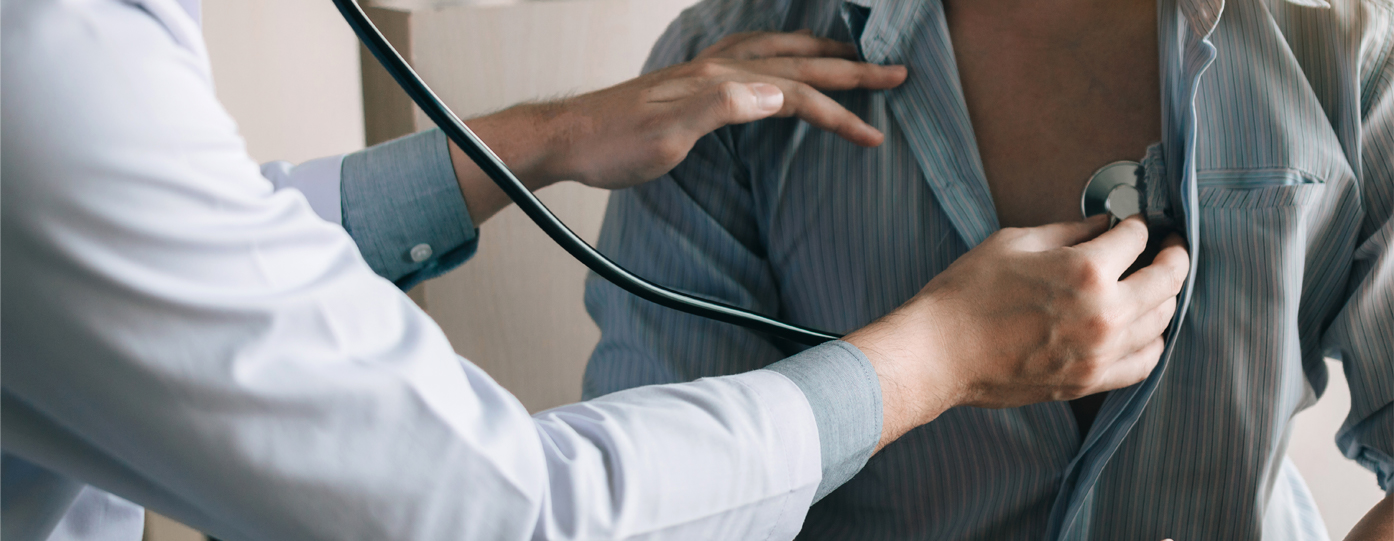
{"type": "Point", "coordinates": [820, 73]}
{"type": "Point", "coordinates": [748, 45]}
{"type": "Point", "coordinates": [1056, 235]}
{"type": "Point", "coordinates": [1162, 280]}
{"type": "Point", "coordinates": [1113, 251]}
{"type": "Point", "coordinates": [718, 105]}
{"type": "Point", "coordinates": [725, 103]}
{"type": "Point", "coordinates": [816, 108]}
{"type": "Point", "coordinates": [827, 73]}
{"type": "Point", "coordinates": [1148, 326]}
{"type": "Point", "coordinates": [1130, 369]}
{"type": "Point", "coordinates": [681, 80]}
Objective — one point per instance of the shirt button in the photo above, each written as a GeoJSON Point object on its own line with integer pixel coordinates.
{"type": "Point", "coordinates": [421, 252]}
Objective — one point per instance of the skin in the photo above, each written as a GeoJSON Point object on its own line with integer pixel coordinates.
{"type": "Point", "coordinates": [1041, 312]}
{"type": "Point", "coordinates": [1030, 315]}
{"type": "Point", "coordinates": [636, 131]}
{"type": "Point", "coordinates": [1056, 90]}
{"type": "Point", "coordinates": [1378, 524]}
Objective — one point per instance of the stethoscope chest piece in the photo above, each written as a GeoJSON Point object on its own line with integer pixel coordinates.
{"type": "Point", "coordinates": [1112, 190]}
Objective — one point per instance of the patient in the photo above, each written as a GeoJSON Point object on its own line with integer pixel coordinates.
{"type": "Point", "coordinates": [1276, 159]}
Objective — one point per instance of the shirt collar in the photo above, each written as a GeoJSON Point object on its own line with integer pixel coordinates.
{"type": "Point", "coordinates": [890, 21]}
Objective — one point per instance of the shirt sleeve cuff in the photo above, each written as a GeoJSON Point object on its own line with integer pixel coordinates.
{"type": "Point", "coordinates": [403, 207]}
{"type": "Point", "coordinates": [845, 394]}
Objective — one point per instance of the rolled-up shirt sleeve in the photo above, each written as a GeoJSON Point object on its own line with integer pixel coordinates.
{"type": "Point", "coordinates": [1360, 335]}
{"type": "Point", "coordinates": [845, 393]}
{"type": "Point", "coordinates": [398, 200]}
{"type": "Point", "coordinates": [403, 207]}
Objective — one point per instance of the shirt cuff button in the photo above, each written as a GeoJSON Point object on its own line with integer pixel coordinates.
{"type": "Point", "coordinates": [420, 252]}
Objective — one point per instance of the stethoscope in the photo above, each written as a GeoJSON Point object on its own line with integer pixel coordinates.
{"type": "Point", "coordinates": [1110, 195]}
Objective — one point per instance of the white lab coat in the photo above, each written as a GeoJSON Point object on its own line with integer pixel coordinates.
{"type": "Point", "coordinates": [180, 333]}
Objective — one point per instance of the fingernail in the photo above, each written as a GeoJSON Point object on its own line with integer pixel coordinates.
{"type": "Point", "coordinates": [767, 97]}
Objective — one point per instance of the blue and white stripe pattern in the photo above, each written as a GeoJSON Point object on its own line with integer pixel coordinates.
{"type": "Point", "coordinates": [1277, 163]}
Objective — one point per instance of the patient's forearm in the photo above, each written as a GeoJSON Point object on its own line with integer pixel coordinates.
{"type": "Point", "coordinates": [1378, 524]}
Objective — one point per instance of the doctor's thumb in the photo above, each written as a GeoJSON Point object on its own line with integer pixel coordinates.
{"type": "Point", "coordinates": [731, 102]}
{"type": "Point", "coordinates": [768, 98]}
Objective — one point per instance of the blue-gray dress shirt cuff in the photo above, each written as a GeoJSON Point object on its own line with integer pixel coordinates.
{"type": "Point", "coordinates": [403, 207]}
{"type": "Point", "coordinates": [845, 394]}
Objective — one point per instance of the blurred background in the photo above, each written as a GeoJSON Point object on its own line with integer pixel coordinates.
{"type": "Point", "coordinates": [290, 73]}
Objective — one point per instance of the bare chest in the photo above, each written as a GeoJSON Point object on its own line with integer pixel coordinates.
{"type": "Point", "coordinates": [1053, 97]}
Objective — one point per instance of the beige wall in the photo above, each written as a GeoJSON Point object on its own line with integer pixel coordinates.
{"type": "Point", "coordinates": [1344, 491]}
{"type": "Point", "coordinates": [288, 72]}
{"type": "Point", "coordinates": [515, 309]}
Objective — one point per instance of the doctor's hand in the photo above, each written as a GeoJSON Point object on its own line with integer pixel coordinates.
{"type": "Point", "coordinates": [638, 130]}
{"type": "Point", "coordinates": [1030, 315]}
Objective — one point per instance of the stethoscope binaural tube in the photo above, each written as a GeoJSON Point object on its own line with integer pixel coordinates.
{"type": "Point", "coordinates": [533, 207]}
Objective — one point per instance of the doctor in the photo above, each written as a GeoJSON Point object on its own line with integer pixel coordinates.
{"type": "Point", "coordinates": [188, 331]}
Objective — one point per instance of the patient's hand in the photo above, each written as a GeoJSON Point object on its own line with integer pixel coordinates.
{"type": "Point", "coordinates": [1030, 315]}
{"type": "Point", "coordinates": [638, 130]}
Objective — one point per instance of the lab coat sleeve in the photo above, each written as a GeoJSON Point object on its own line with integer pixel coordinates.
{"type": "Point", "coordinates": [398, 200]}
{"type": "Point", "coordinates": [180, 334]}
{"type": "Point", "coordinates": [694, 229]}
{"type": "Point", "coordinates": [1362, 334]}
{"type": "Point", "coordinates": [318, 180]}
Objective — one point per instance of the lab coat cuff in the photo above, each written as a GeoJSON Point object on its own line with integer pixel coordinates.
{"type": "Point", "coordinates": [403, 207]}
{"type": "Point", "coordinates": [845, 394]}
{"type": "Point", "coordinates": [317, 180]}
{"type": "Point", "coordinates": [796, 450]}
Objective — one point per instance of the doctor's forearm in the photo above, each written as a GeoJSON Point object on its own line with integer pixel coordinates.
{"type": "Point", "coordinates": [1010, 324]}
{"type": "Point", "coordinates": [522, 137]}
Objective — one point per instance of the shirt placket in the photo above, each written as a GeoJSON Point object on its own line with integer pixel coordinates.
{"type": "Point", "coordinates": [1168, 193]}
{"type": "Point", "coordinates": [1169, 197]}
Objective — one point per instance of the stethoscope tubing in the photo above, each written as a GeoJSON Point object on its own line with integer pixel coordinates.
{"type": "Point", "coordinates": [490, 163]}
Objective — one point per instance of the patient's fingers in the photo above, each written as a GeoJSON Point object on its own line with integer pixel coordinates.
{"type": "Point", "coordinates": [1153, 284]}
{"type": "Point", "coordinates": [1116, 249]}
{"type": "Point", "coordinates": [752, 45]}
{"type": "Point", "coordinates": [829, 73]}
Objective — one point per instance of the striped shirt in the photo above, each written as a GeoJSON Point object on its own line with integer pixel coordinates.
{"type": "Point", "coordinates": [1276, 163]}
